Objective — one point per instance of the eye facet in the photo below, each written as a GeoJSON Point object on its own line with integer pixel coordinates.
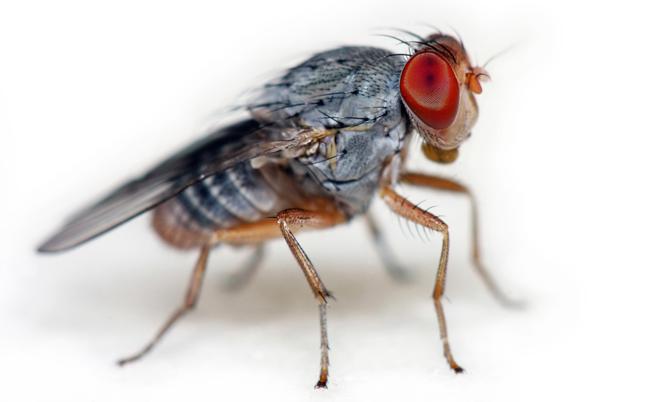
{"type": "Point", "coordinates": [430, 89]}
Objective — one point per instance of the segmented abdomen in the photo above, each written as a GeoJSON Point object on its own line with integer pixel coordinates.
{"type": "Point", "coordinates": [238, 195]}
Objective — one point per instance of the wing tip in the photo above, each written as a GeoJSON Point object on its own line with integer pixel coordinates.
{"type": "Point", "coordinates": [47, 248]}
{"type": "Point", "coordinates": [52, 245]}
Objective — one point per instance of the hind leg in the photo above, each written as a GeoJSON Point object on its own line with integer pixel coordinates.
{"type": "Point", "coordinates": [191, 297]}
{"type": "Point", "coordinates": [283, 225]}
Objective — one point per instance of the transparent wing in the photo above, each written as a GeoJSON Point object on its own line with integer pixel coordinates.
{"type": "Point", "coordinates": [220, 150]}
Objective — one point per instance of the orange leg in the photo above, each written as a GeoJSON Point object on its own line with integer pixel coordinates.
{"type": "Point", "coordinates": [188, 303]}
{"type": "Point", "coordinates": [255, 233]}
{"type": "Point", "coordinates": [297, 218]}
{"type": "Point", "coordinates": [440, 183]}
{"type": "Point", "coordinates": [403, 207]}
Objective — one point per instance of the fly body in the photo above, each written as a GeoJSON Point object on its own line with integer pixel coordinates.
{"type": "Point", "coordinates": [319, 143]}
{"type": "Point", "coordinates": [352, 94]}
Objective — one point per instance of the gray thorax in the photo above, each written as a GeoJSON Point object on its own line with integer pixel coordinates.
{"type": "Point", "coordinates": [354, 93]}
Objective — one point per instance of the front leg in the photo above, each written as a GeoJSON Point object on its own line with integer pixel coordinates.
{"type": "Point", "coordinates": [406, 209]}
{"type": "Point", "coordinates": [444, 184]}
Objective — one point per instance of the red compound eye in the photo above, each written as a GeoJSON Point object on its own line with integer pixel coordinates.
{"type": "Point", "coordinates": [430, 89]}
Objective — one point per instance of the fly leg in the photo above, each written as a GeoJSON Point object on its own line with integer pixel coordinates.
{"type": "Point", "coordinates": [296, 218]}
{"type": "Point", "coordinates": [406, 209]}
{"type": "Point", "coordinates": [242, 277]}
{"type": "Point", "coordinates": [394, 269]}
{"type": "Point", "coordinates": [440, 183]}
{"type": "Point", "coordinates": [189, 302]}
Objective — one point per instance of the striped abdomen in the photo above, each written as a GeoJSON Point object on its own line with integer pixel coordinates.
{"type": "Point", "coordinates": [238, 195]}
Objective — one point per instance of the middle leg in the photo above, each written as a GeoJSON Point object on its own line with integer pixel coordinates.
{"type": "Point", "coordinates": [285, 224]}
{"type": "Point", "coordinates": [296, 218]}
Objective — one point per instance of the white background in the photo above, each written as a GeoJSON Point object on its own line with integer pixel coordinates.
{"type": "Point", "coordinates": [93, 94]}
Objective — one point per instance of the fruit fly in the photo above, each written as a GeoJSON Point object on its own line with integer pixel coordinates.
{"type": "Point", "coordinates": [316, 146]}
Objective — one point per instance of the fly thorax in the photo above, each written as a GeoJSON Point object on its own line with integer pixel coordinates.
{"type": "Point", "coordinates": [349, 164]}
